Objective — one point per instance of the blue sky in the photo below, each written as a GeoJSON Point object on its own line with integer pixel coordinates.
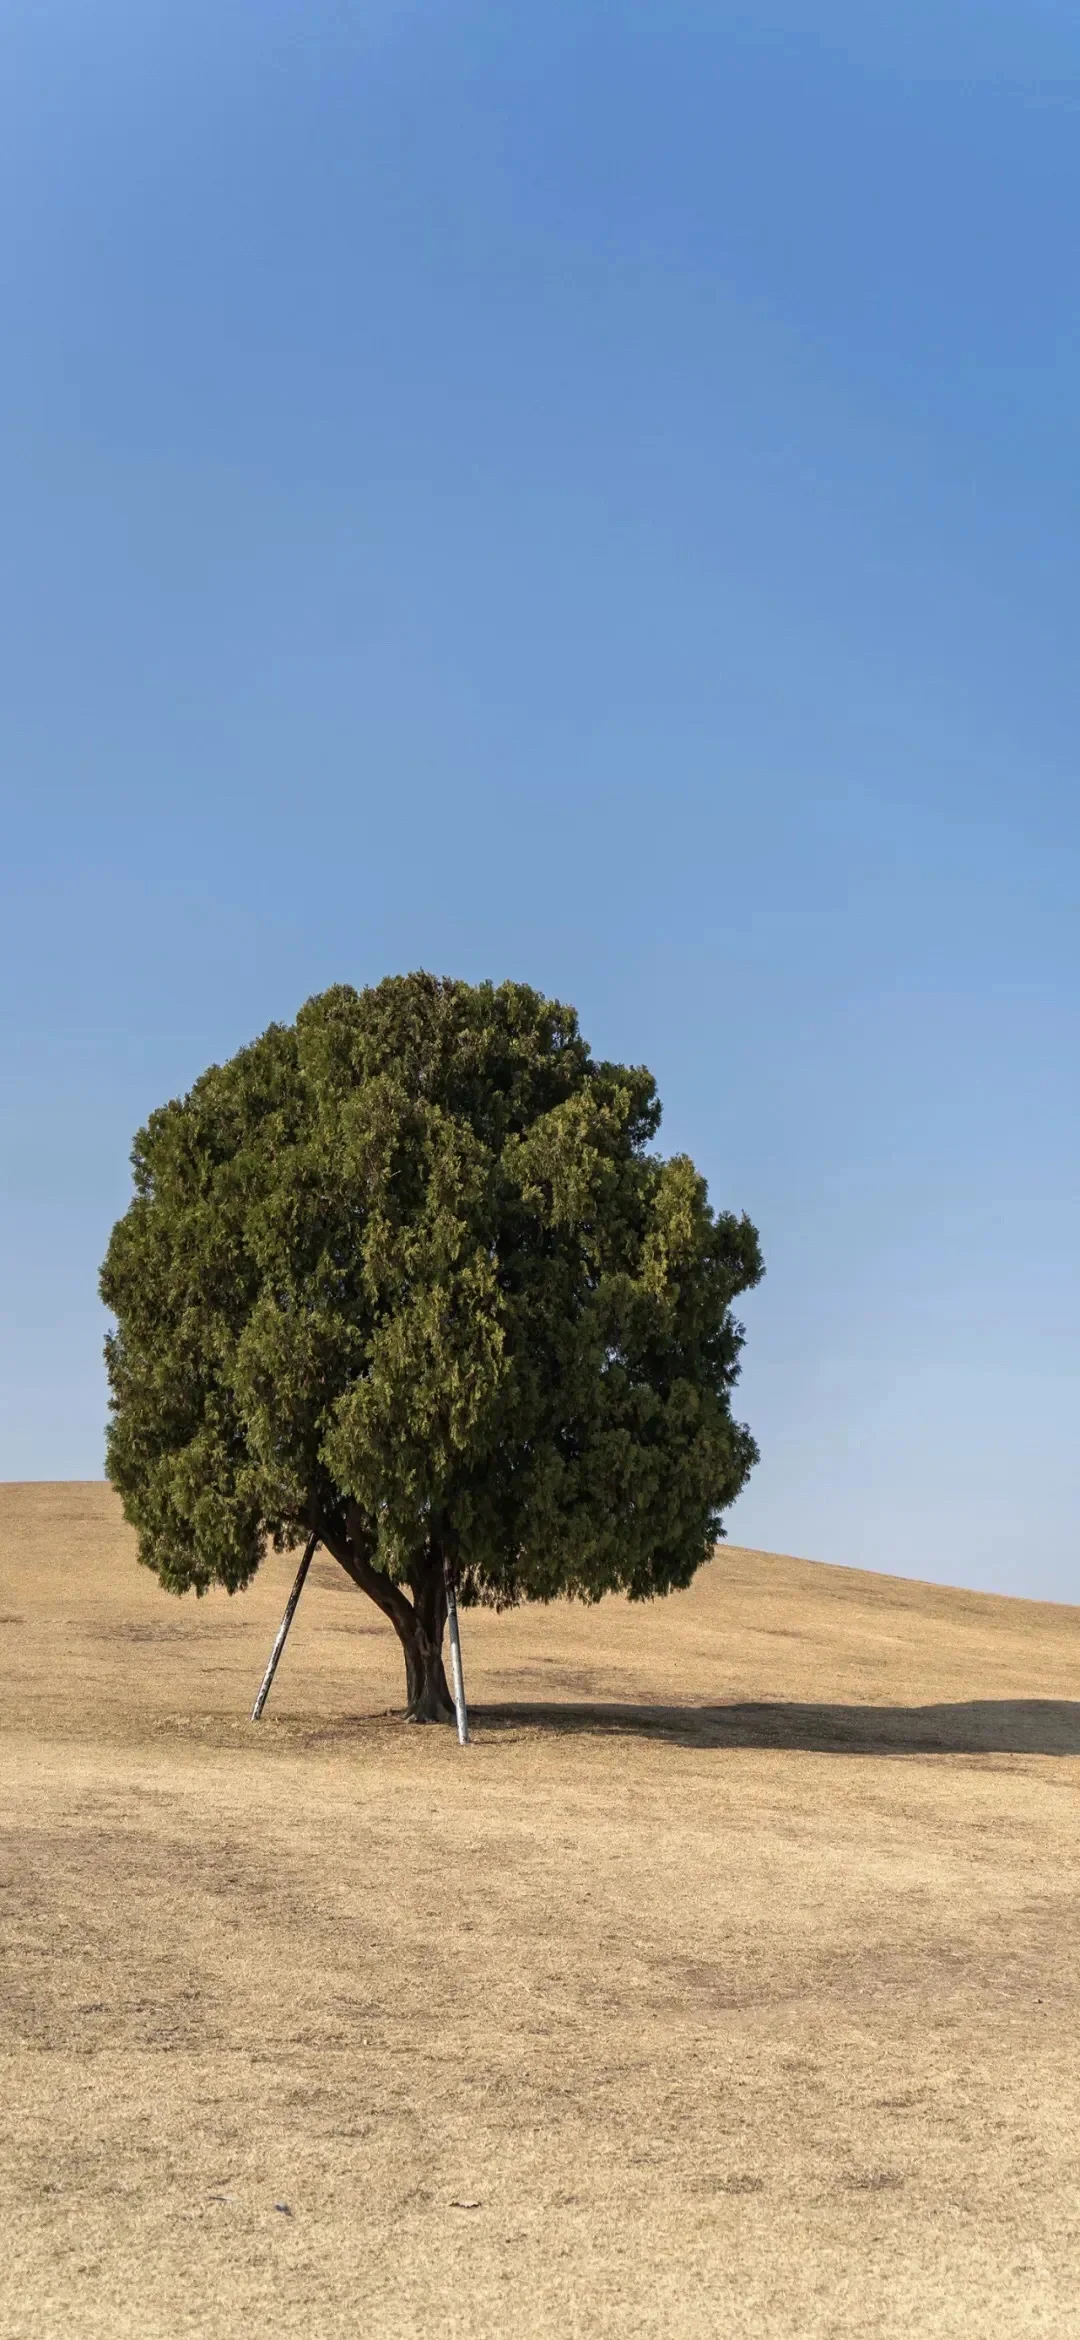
{"type": "Point", "coordinates": [585, 493]}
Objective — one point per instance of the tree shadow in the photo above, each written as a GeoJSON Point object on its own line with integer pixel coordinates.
{"type": "Point", "coordinates": [979, 1726]}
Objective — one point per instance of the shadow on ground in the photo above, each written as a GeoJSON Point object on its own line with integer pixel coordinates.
{"type": "Point", "coordinates": [981, 1726]}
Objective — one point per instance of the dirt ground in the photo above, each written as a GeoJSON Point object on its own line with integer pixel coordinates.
{"type": "Point", "coordinates": [728, 1984]}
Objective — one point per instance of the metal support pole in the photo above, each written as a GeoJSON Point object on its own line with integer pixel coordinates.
{"type": "Point", "coordinates": [455, 1657]}
{"type": "Point", "coordinates": [283, 1628]}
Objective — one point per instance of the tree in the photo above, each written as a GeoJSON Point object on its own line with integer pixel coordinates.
{"type": "Point", "coordinates": [406, 1274]}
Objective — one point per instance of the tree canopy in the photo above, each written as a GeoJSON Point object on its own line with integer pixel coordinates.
{"type": "Point", "coordinates": [409, 1275]}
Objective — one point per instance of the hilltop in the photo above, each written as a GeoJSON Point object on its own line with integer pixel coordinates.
{"type": "Point", "coordinates": [730, 1976]}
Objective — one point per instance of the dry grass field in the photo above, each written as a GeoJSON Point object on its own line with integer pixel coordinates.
{"type": "Point", "coordinates": [727, 1985]}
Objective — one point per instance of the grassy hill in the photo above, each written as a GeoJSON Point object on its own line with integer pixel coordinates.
{"type": "Point", "coordinates": [726, 1984]}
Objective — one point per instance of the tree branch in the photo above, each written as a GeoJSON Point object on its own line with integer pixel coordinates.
{"type": "Point", "coordinates": [349, 1550]}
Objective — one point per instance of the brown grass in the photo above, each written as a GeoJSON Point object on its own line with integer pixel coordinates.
{"type": "Point", "coordinates": [727, 1985]}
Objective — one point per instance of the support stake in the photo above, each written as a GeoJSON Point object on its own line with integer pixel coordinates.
{"type": "Point", "coordinates": [283, 1628]}
{"type": "Point", "coordinates": [455, 1657]}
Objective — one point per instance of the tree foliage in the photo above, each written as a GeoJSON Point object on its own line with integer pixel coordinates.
{"type": "Point", "coordinates": [407, 1273]}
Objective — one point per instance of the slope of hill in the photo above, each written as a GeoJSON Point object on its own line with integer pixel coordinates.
{"type": "Point", "coordinates": [727, 1983]}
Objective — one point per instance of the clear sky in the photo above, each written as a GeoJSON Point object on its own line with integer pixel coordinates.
{"type": "Point", "coordinates": [585, 492]}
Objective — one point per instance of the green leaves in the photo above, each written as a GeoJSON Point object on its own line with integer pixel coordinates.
{"type": "Point", "coordinates": [410, 1264]}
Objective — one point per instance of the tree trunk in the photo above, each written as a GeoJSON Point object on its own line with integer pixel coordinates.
{"type": "Point", "coordinates": [421, 1639]}
{"type": "Point", "coordinates": [428, 1693]}
{"type": "Point", "coordinates": [419, 1623]}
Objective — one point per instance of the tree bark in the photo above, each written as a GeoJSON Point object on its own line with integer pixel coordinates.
{"type": "Point", "coordinates": [419, 1623]}
{"type": "Point", "coordinates": [425, 1678]}
{"type": "Point", "coordinates": [429, 1695]}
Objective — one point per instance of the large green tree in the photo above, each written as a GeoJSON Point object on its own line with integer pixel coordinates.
{"type": "Point", "coordinates": [408, 1274]}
